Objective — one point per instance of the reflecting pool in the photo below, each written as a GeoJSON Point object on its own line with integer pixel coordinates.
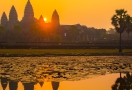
{"type": "Point", "coordinates": [66, 73]}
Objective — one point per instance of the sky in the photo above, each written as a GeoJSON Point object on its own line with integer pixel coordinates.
{"type": "Point", "coordinates": [92, 13]}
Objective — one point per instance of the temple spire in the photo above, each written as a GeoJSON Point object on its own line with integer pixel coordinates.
{"type": "Point", "coordinates": [55, 19]}
{"type": "Point", "coordinates": [28, 12]}
{"type": "Point", "coordinates": [41, 20]}
{"type": "Point", "coordinates": [28, 17]}
{"type": "Point", "coordinates": [4, 19]}
{"type": "Point", "coordinates": [13, 17]}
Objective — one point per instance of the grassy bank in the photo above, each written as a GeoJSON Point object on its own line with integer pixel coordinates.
{"type": "Point", "coordinates": [63, 51]}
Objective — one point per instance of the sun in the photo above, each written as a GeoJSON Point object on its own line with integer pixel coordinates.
{"type": "Point", "coordinates": [45, 19]}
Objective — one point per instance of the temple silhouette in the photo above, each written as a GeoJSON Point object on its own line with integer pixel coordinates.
{"type": "Point", "coordinates": [28, 18]}
{"type": "Point", "coordinates": [33, 32]}
{"type": "Point", "coordinates": [29, 86]}
{"type": "Point", "coordinates": [13, 85]}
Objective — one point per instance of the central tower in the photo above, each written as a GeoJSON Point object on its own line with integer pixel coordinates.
{"type": "Point", "coordinates": [28, 17]}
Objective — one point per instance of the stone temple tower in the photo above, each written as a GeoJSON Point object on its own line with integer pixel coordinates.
{"type": "Point", "coordinates": [4, 19]}
{"type": "Point", "coordinates": [13, 18]}
{"type": "Point", "coordinates": [28, 17]}
{"type": "Point", "coordinates": [55, 21]}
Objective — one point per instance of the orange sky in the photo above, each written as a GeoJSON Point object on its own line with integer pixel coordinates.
{"type": "Point", "coordinates": [92, 13]}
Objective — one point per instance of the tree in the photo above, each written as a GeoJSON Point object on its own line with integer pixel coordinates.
{"type": "Point", "coordinates": [104, 36]}
{"type": "Point", "coordinates": [99, 33]}
{"type": "Point", "coordinates": [57, 38]}
{"type": "Point", "coordinates": [123, 83]}
{"type": "Point", "coordinates": [17, 30]}
{"type": "Point", "coordinates": [37, 32]}
{"type": "Point", "coordinates": [119, 21]}
{"type": "Point", "coordinates": [73, 31]}
{"type": "Point", "coordinates": [2, 31]}
{"type": "Point", "coordinates": [111, 31]}
{"type": "Point", "coordinates": [116, 36]}
{"type": "Point", "coordinates": [34, 31]}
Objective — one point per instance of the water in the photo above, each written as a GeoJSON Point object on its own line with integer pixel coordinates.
{"type": "Point", "coordinates": [88, 84]}
{"type": "Point", "coordinates": [63, 73]}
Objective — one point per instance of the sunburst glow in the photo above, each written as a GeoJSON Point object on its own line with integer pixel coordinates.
{"type": "Point", "coordinates": [45, 19]}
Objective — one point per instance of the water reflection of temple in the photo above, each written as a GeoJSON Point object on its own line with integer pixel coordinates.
{"type": "Point", "coordinates": [28, 86]}
{"type": "Point", "coordinates": [4, 83]}
{"type": "Point", "coordinates": [13, 85]}
{"type": "Point", "coordinates": [41, 83]}
{"type": "Point", "coordinates": [55, 85]}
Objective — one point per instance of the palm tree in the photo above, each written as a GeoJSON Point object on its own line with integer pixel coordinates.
{"type": "Point", "coordinates": [119, 21]}
{"type": "Point", "coordinates": [123, 83]}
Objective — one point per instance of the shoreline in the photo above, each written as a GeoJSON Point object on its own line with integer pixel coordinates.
{"type": "Point", "coordinates": [54, 55]}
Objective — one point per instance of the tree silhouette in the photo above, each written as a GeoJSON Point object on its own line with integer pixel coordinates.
{"type": "Point", "coordinates": [2, 31]}
{"type": "Point", "coordinates": [34, 31]}
{"type": "Point", "coordinates": [124, 83]}
{"type": "Point", "coordinates": [57, 38]}
{"type": "Point", "coordinates": [104, 36]}
{"type": "Point", "coordinates": [73, 32]}
{"type": "Point", "coordinates": [17, 30]}
{"type": "Point", "coordinates": [120, 21]}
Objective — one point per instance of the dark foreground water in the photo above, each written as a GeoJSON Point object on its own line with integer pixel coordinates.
{"type": "Point", "coordinates": [66, 73]}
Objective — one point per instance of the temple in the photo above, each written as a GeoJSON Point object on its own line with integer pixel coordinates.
{"type": "Point", "coordinates": [27, 20]}
{"type": "Point", "coordinates": [30, 31]}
